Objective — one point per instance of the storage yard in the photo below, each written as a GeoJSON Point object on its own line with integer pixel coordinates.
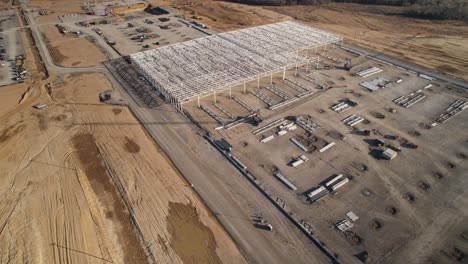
{"type": "Point", "coordinates": [148, 137]}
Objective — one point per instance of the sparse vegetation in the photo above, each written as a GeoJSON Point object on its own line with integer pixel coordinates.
{"type": "Point", "coordinates": [428, 9]}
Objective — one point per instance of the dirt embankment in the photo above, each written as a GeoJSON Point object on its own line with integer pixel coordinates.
{"type": "Point", "coordinates": [96, 171]}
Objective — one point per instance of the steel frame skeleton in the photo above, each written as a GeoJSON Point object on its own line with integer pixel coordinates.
{"type": "Point", "coordinates": [196, 68]}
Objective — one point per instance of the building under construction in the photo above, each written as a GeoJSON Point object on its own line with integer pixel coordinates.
{"type": "Point", "coordinates": [192, 69]}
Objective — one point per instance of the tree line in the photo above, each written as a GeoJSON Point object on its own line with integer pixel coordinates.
{"type": "Point", "coordinates": [430, 9]}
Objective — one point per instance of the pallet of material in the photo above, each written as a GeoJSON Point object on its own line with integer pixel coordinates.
{"type": "Point", "coordinates": [352, 120]}
{"type": "Point", "coordinates": [327, 147]}
{"type": "Point", "coordinates": [318, 194]}
{"type": "Point", "coordinates": [369, 72]}
{"type": "Point", "coordinates": [341, 107]}
{"type": "Point", "coordinates": [340, 184]}
{"type": "Point", "coordinates": [266, 139]}
{"type": "Point", "coordinates": [336, 178]}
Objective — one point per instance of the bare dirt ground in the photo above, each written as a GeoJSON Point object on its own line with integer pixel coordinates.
{"type": "Point", "coordinates": [11, 96]}
{"type": "Point", "coordinates": [71, 172]}
{"type": "Point", "coordinates": [68, 6]}
{"type": "Point", "coordinates": [71, 50]}
{"type": "Point", "coordinates": [437, 45]}
{"type": "Point", "coordinates": [224, 16]}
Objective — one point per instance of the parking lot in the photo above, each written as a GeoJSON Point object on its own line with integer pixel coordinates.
{"type": "Point", "coordinates": [10, 47]}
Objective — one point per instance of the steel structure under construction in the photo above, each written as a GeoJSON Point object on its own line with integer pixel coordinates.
{"type": "Point", "coordinates": [196, 68]}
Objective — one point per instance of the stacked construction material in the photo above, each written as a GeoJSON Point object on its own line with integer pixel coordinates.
{"type": "Point", "coordinates": [307, 124]}
{"type": "Point", "coordinates": [267, 100]}
{"type": "Point", "coordinates": [272, 88]}
{"type": "Point", "coordinates": [318, 194]}
{"type": "Point", "coordinates": [298, 161]}
{"type": "Point", "coordinates": [266, 139]}
{"type": "Point", "coordinates": [328, 146]}
{"type": "Point", "coordinates": [222, 109]}
{"type": "Point", "coordinates": [352, 120]}
{"type": "Point", "coordinates": [298, 144]}
{"type": "Point", "coordinates": [410, 99]}
{"type": "Point", "coordinates": [369, 72]}
{"type": "Point", "coordinates": [268, 127]}
{"type": "Point", "coordinates": [213, 115]}
{"type": "Point", "coordinates": [454, 109]}
{"type": "Point", "coordinates": [286, 182]}
{"type": "Point", "coordinates": [243, 104]}
{"type": "Point", "coordinates": [341, 107]}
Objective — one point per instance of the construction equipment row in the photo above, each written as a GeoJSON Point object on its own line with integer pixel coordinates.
{"type": "Point", "coordinates": [369, 72]}
{"type": "Point", "coordinates": [454, 109]}
{"type": "Point", "coordinates": [410, 99]}
{"type": "Point", "coordinates": [352, 120]}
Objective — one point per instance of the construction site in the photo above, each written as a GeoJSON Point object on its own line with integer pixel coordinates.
{"type": "Point", "coordinates": [140, 133]}
{"type": "Point", "coordinates": [324, 131]}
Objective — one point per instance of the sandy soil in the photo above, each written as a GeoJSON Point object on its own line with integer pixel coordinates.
{"type": "Point", "coordinates": [439, 45]}
{"type": "Point", "coordinates": [11, 96]}
{"type": "Point", "coordinates": [68, 6]}
{"type": "Point", "coordinates": [225, 16]}
{"type": "Point", "coordinates": [71, 50]}
{"type": "Point", "coordinates": [71, 172]}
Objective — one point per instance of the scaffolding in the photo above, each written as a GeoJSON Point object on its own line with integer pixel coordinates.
{"type": "Point", "coordinates": [197, 68]}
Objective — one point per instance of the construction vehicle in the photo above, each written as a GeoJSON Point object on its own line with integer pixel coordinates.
{"type": "Point", "coordinates": [256, 119]}
{"type": "Point", "coordinates": [263, 225]}
{"type": "Point", "coordinates": [413, 146]}
{"type": "Point", "coordinates": [395, 148]}
{"type": "Point", "coordinates": [337, 86]}
{"type": "Point", "coordinates": [195, 16]}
